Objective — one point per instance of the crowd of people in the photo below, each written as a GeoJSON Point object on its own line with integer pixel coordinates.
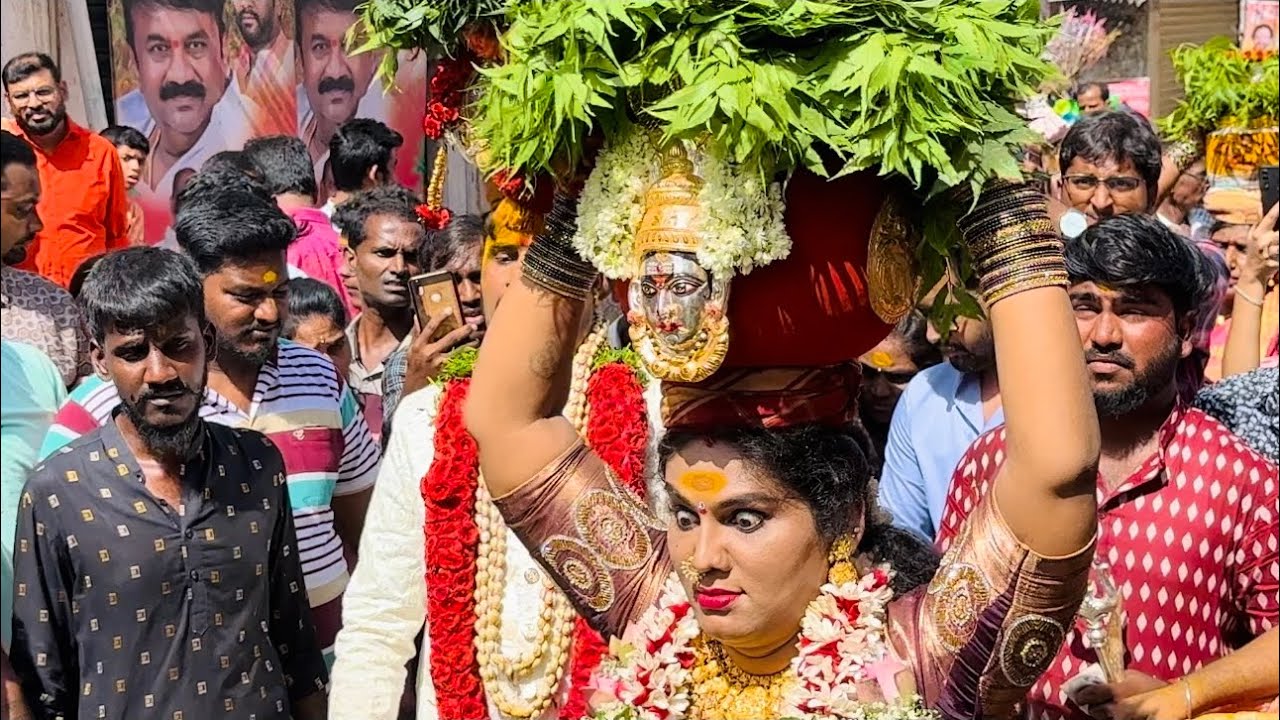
{"type": "Point", "coordinates": [218, 453]}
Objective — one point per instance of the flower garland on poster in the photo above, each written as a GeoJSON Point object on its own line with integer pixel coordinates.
{"type": "Point", "coordinates": [615, 426]}
{"type": "Point", "coordinates": [841, 639]}
{"type": "Point", "coordinates": [448, 90]}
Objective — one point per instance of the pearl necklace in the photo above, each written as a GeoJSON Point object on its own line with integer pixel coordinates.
{"type": "Point", "coordinates": [501, 675]}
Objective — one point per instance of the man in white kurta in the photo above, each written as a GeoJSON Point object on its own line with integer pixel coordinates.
{"type": "Point", "coordinates": [385, 604]}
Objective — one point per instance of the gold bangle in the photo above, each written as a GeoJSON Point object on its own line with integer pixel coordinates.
{"type": "Point", "coordinates": [1186, 693]}
{"type": "Point", "coordinates": [1245, 296]}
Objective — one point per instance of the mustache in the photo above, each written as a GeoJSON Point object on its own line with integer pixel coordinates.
{"type": "Point", "coordinates": [247, 13]}
{"type": "Point", "coordinates": [190, 88]}
{"type": "Point", "coordinates": [262, 327]}
{"type": "Point", "coordinates": [168, 390]}
{"type": "Point", "coordinates": [1120, 359]}
{"type": "Point", "coordinates": [337, 84]}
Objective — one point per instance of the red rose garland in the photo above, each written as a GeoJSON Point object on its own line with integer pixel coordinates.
{"type": "Point", "coordinates": [448, 492]}
{"type": "Point", "coordinates": [618, 431]}
{"type": "Point", "coordinates": [447, 87]}
{"type": "Point", "coordinates": [618, 422]}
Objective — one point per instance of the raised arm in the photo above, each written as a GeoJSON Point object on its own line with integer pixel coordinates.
{"type": "Point", "coordinates": [1045, 490]}
{"type": "Point", "coordinates": [1257, 265]}
{"type": "Point", "coordinates": [521, 377]}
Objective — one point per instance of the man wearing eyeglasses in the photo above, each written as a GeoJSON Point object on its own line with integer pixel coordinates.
{"type": "Point", "coordinates": [1111, 165]}
{"type": "Point", "coordinates": [83, 205]}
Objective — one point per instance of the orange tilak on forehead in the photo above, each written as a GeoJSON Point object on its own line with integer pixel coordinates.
{"type": "Point", "coordinates": [702, 482]}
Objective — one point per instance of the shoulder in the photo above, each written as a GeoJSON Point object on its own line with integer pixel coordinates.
{"type": "Point", "coordinates": [421, 405]}
{"type": "Point", "coordinates": [251, 444]}
{"type": "Point", "coordinates": [36, 369]}
{"type": "Point", "coordinates": [67, 462]}
{"type": "Point", "coordinates": [295, 356]}
{"type": "Point", "coordinates": [29, 285]}
{"type": "Point", "coordinates": [941, 380]}
{"type": "Point", "coordinates": [95, 395]}
{"type": "Point", "coordinates": [299, 364]}
{"type": "Point", "coordinates": [1204, 444]}
{"type": "Point", "coordinates": [100, 146]}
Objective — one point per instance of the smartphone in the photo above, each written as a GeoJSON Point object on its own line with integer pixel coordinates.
{"type": "Point", "coordinates": [1269, 181]}
{"type": "Point", "coordinates": [434, 293]}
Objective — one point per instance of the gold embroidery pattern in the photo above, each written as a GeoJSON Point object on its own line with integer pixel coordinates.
{"type": "Point", "coordinates": [577, 563]}
{"type": "Point", "coordinates": [632, 502]}
{"type": "Point", "coordinates": [608, 526]}
{"type": "Point", "coordinates": [1029, 645]}
{"type": "Point", "coordinates": [958, 595]}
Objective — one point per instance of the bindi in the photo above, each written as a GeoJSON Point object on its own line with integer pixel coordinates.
{"type": "Point", "coordinates": [270, 276]}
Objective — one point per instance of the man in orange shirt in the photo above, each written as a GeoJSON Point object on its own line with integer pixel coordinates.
{"type": "Point", "coordinates": [83, 204]}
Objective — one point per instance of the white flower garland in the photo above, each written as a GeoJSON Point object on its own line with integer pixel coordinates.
{"type": "Point", "coordinates": [612, 203]}
{"type": "Point", "coordinates": [743, 226]}
{"type": "Point", "coordinates": [842, 634]}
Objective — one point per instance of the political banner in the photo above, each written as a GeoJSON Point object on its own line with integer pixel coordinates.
{"type": "Point", "coordinates": [199, 77]}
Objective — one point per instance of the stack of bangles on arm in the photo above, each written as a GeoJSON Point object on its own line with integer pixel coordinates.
{"type": "Point", "coordinates": [551, 263]}
{"type": "Point", "coordinates": [1014, 245]}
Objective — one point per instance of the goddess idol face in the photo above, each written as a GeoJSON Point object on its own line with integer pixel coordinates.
{"type": "Point", "coordinates": [675, 295]}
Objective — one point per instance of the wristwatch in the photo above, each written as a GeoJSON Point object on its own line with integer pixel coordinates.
{"type": "Point", "coordinates": [1072, 224]}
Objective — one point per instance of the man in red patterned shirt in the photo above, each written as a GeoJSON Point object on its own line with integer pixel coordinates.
{"type": "Point", "coordinates": [1187, 512]}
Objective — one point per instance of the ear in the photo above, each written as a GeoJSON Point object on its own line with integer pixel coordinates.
{"type": "Point", "coordinates": [350, 253]}
{"type": "Point", "coordinates": [373, 178]}
{"type": "Point", "coordinates": [1186, 328]}
{"type": "Point", "coordinates": [210, 337]}
{"type": "Point", "coordinates": [98, 356]}
{"type": "Point", "coordinates": [62, 88]}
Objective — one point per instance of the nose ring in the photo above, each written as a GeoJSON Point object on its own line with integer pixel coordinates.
{"type": "Point", "coordinates": [690, 573]}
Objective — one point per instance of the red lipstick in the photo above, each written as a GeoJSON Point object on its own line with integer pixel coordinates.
{"type": "Point", "coordinates": [712, 599]}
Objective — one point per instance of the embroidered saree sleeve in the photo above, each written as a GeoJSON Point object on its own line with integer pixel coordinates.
{"type": "Point", "coordinates": [602, 546]}
{"type": "Point", "coordinates": [990, 622]}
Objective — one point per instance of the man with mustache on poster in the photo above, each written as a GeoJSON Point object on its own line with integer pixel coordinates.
{"type": "Point", "coordinates": [336, 87]}
{"type": "Point", "coordinates": [265, 69]}
{"type": "Point", "coordinates": [185, 102]}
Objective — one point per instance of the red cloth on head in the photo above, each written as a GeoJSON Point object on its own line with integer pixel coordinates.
{"type": "Point", "coordinates": [764, 397]}
{"type": "Point", "coordinates": [812, 308]}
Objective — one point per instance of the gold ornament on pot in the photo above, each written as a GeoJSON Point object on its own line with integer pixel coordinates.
{"type": "Point", "coordinates": [677, 318]}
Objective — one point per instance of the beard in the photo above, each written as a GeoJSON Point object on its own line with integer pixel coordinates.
{"type": "Point", "coordinates": [255, 356]}
{"type": "Point", "coordinates": [43, 127]}
{"type": "Point", "coordinates": [1146, 383]}
{"type": "Point", "coordinates": [174, 440]}
{"type": "Point", "coordinates": [262, 34]}
{"type": "Point", "coordinates": [16, 254]}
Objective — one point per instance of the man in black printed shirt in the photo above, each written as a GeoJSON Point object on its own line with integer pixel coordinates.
{"type": "Point", "coordinates": [156, 572]}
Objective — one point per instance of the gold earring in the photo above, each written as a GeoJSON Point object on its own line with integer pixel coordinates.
{"type": "Point", "coordinates": [840, 560]}
{"type": "Point", "coordinates": [690, 573]}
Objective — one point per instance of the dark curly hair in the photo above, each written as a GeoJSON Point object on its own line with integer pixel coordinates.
{"type": "Point", "coordinates": [826, 468]}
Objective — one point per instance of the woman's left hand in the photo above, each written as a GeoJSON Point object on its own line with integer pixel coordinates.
{"type": "Point", "coordinates": [1136, 697]}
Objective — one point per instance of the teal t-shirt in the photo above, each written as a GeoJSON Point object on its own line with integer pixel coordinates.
{"type": "Point", "coordinates": [30, 392]}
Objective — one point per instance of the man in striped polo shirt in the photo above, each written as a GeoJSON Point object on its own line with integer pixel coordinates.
{"type": "Point", "coordinates": [237, 237]}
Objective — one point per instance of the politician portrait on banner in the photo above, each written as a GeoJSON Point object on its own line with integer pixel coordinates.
{"type": "Point", "coordinates": [335, 86]}
{"type": "Point", "coordinates": [198, 77]}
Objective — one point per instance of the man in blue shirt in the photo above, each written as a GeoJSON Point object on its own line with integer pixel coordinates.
{"type": "Point", "coordinates": [942, 411]}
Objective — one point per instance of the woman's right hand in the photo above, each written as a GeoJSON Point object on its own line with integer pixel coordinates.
{"type": "Point", "coordinates": [1259, 262]}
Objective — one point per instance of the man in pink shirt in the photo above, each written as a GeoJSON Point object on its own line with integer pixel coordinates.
{"type": "Point", "coordinates": [286, 170]}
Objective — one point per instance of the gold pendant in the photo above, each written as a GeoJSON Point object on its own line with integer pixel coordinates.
{"type": "Point", "coordinates": [891, 267]}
